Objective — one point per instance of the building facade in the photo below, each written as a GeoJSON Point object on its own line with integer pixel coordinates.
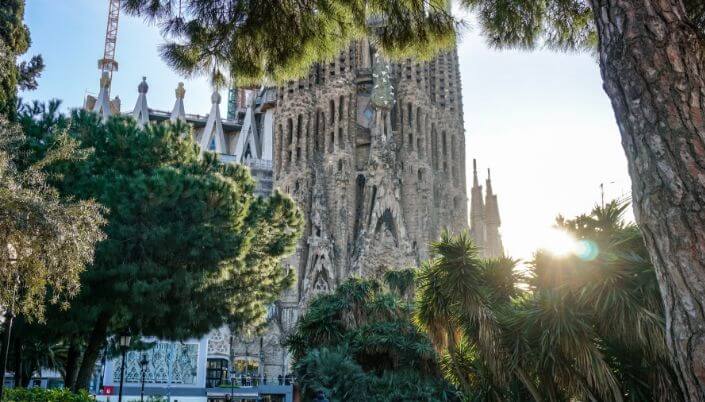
{"type": "Point", "coordinates": [374, 154]}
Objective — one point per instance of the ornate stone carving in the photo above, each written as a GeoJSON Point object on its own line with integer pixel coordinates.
{"type": "Point", "coordinates": [164, 358]}
{"type": "Point", "coordinates": [219, 342]}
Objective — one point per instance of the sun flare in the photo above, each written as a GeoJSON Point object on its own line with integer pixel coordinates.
{"type": "Point", "coordinates": [559, 243]}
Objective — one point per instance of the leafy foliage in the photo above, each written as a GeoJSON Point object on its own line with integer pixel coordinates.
{"type": "Point", "coordinates": [249, 41]}
{"type": "Point", "coordinates": [358, 344]}
{"type": "Point", "coordinates": [577, 327]}
{"type": "Point", "coordinates": [47, 239]}
{"type": "Point", "coordinates": [44, 395]}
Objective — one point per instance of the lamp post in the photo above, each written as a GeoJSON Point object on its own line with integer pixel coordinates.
{"type": "Point", "coordinates": [124, 342]}
{"type": "Point", "coordinates": [232, 382]}
{"type": "Point", "coordinates": [143, 366]}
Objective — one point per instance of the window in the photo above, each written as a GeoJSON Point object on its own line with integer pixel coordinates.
{"type": "Point", "coordinates": [331, 107]}
{"type": "Point", "coordinates": [216, 372]}
{"type": "Point", "coordinates": [341, 107]}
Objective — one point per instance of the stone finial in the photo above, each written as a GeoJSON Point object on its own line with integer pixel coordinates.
{"type": "Point", "coordinates": [143, 87]}
{"type": "Point", "coordinates": [180, 91]}
{"type": "Point", "coordinates": [105, 80]}
{"type": "Point", "coordinates": [115, 105]}
{"type": "Point", "coordinates": [215, 98]}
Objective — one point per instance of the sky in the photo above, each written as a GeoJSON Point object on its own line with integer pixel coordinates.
{"type": "Point", "coordinates": [539, 120]}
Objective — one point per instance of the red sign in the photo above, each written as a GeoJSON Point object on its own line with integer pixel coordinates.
{"type": "Point", "coordinates": [108, 390]}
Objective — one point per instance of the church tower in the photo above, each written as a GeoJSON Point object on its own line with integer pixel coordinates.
{"type": "Point", "coordinates": [484, 218]}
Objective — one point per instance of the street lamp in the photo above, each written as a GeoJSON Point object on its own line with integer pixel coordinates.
{"type": "Point", "coordinates": [143, 366]}
{"type": "Point", "coordinates": [124, 342]}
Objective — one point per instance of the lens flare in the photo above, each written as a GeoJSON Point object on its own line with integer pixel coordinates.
{"type": "Point", "coordinates": [587, 250]}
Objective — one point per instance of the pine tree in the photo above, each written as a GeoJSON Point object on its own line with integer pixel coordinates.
{"type": "Point", "coordinates": [188, 247]}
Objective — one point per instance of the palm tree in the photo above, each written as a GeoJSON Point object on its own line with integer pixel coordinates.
{"type": "Point", "coordinates": [584, 327]}
{"type": "Point", "coordinates": [358, 343]}
{"type": "Point", "coordinates": [459, 299]}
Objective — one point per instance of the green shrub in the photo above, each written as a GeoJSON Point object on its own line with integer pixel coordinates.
{"type": "Point", "coordinates": [44, 395]}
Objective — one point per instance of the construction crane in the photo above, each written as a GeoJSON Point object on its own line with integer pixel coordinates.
{"type": "Point", "coordinates": [108, 63]}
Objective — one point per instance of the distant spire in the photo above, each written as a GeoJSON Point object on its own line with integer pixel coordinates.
{"type": "Point", "coordinates": [141, 112]}
{"type": "Point", "coordinates": [179, 112]}
{"type": "Point", "coordinates": [488, 184]}
{"type": "Point", "coordinates": [102, 105]}
{"type": "Point", "coordinates": [493, 239]}
{"type": "Point", "coordinates": [214, 128]}
{"type": "Point", "coordinates": [477, 210]}
{"type": "Point", "coordinates": [475, 182]}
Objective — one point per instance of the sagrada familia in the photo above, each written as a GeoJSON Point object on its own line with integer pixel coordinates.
{"type": "Point", "coordinates": [374, 154]}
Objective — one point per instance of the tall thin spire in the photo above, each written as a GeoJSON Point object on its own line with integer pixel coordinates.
{"type": "Point", "coordinates": [475, 182]}
{"type": "Point", "coordinates": [488, 184]}
{"type": "Point", "coordinates": [214, 128]}
{"type": "Point", "coordinates": [179, 112]}
{"type": "Point", "coordinates": [493, 239]}
{"type": "Point", "coordinates": [102, 105]}
{"type": "Point", "coordinates": [141, 111]}
{"type": "Point", "coordinates": [477, 210]}
{"type": "Point", "coordinates": [247, 145]}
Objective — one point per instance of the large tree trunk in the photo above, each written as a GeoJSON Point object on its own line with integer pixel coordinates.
{"type": "Point", "coordinates": [653, 68]}
{"type": "Point", "coordinates": [90, 355]}
{"type": "Point", "coordinates": [17, 364]}
{"type": "Point", "coordinates": [72, 357]}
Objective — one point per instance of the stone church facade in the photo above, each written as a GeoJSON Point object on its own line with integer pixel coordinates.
{"type": "Point", "coordinates": [374, 154]}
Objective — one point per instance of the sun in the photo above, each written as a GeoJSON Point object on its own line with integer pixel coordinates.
{"type": "Point", "coordinates": [559, 242]}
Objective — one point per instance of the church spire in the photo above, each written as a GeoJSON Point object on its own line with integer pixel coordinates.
{"type": "Point", "coordinates": [493, 239]}
{"type": "Point", "coordinates": [102, 105]}
{"type": "Point", "coordinates": [179, 112]}
{"type": "Point", "coordinates": [141, 111]}
{"type": "Point", "coordinates": [477, 207]}
{"type": "Point", "coordinates": [213, 133]}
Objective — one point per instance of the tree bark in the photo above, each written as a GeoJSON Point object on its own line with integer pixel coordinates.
{"type": "Point", "coordinates": [653, 69]}
{"type": "Point", "coordinates": [17, 364]}
{"type": "Point", "coordinates": [90, 355]}
{"type": "Point", "coordinates": [72, 357]}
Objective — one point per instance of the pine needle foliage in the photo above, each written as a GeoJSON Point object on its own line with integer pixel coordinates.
{"type": "Point", "coordinates": [565, 25]}
{"type": "Point", "coordinates": [250, 41]}
{"type": "Point", "coordinates": [359, 344]}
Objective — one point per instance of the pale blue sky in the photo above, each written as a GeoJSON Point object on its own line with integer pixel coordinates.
{"type": "Point", "coordinates": [539, 120]}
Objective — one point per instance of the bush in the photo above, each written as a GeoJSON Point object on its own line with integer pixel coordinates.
{"type": "Point", "coordinates": [44, 395]}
